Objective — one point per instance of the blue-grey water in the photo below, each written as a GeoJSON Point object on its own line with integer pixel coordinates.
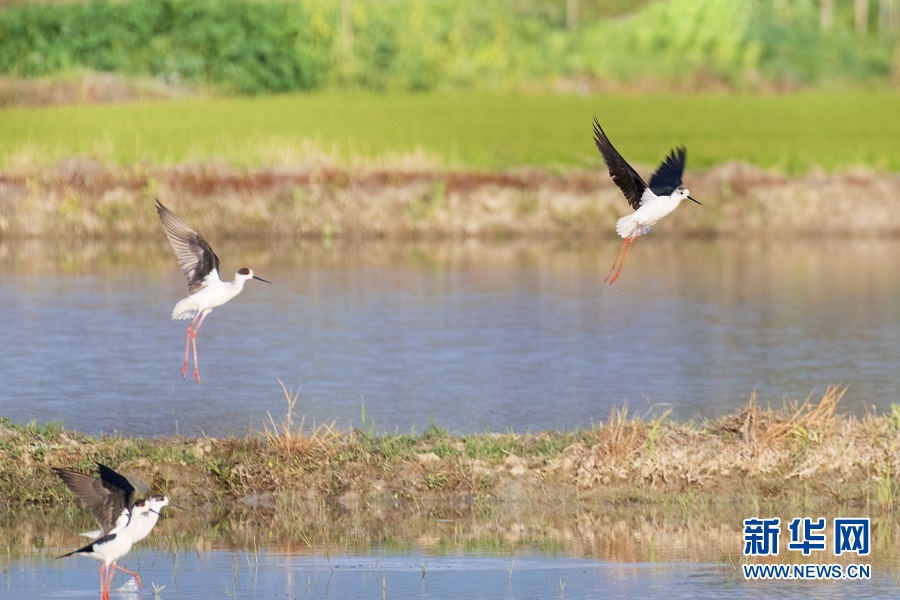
{"type": "Point", "coordinates": [472, 336]}
{"type": "Point", "coordinates": [263, 574]}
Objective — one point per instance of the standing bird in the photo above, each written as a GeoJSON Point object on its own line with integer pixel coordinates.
{"type": "Point", "coordinates": [115, 544]}
{"type": "Point", "coordinates": [123, 521]}
{"type": "Point", "coordinates": [650, 203]}
{"type": "Point", "coordinates": [200, 266]}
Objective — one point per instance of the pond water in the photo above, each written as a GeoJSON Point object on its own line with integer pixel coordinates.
{"type": "Point", "coordinates": [510, 549]}
{"type": "Point", "coordinates": [472, 336]}
{"type": "Point", "coordinates": [265, 574]}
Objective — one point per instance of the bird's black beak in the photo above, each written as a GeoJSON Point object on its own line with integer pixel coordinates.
{"type": "Point", "coordinates": [173, 505]}
{"type": "Point", "coordinates": [264, 281]}
{"type": "Point", "coordinates": [695, 200]}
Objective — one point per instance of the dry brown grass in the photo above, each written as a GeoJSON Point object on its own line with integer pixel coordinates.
{"type": "Point", "coordinates": [621, 437]}
{"type": "Point", "coordinates": [808, 421]}
{"type": "Point", "coordinates": [411, 198]}
{"type": "Point", "coordinates": [288, 437]}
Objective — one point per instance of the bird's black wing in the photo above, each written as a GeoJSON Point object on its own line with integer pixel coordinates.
{"type": "Point", "coordinates": [106, 498]}
{"type": "Point", "coordinates": [195, 256]}
{"type": "Point", "coordinates": [668, 176]}
{"type": "Point", "coordinates": [116, 483]}
{"type": "Point", "coordinates": [621, 172]}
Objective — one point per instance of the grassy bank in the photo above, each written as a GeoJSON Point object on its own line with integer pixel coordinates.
{"type": "Point", "coordinates": [86, 199]}
{"type": "Point", "coordinates": [759, 459]}
{"type": "Point", "coordinates": [792, 133]}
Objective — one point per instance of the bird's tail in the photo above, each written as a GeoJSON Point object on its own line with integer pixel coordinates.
{"type": "Point", "coordinates": [88, 548]}
{"type": "Point", "coordinates": [628, 227]}
{"type": "Point", "coordinates": [184, 310]}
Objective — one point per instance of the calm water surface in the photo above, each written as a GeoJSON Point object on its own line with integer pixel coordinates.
{"type": "Point", "coordinates": [221, 574]}
{"type": "Point", "coordinates": [474, 336]}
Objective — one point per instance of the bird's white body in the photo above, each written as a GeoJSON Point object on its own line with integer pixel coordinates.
{"type": "Point", "coordinates": [652, 209]}
{"type": "Point", "coordinates": [214, 293]}
{"type": "Point", "coordinates": [118, 542]}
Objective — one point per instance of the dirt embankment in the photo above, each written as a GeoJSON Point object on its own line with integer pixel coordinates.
{"type": "Point", "coordinates": [804, 453]}
{"type": "Point", "coordinates": [82, 198]}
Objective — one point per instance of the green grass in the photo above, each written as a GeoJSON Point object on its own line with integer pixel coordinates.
{"type": "Point", "coordinates": [793, 132]}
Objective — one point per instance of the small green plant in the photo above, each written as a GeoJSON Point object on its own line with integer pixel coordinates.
{"type": "Point", "coordinates": [435, 481]}
{"type": "Point", "coordinates": [885, 490]}
{"type": "Point", "coordinates": [369, 429]}
{"type": "Point", "coordinates": [433, 432]}
{"type": "Point", "coordinates": [655, 430]}
{"type": "Point", "coordinates": [894, 423]}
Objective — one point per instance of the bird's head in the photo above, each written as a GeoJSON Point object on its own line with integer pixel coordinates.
{"type": "Point", "coordinates": [157, 502]}
{"type": "Point", "coordinates": [682, 192]}
{"type": "Point", "coordinates": [140, 508]}
{"type": "Point", "coordinates": [246, 273]}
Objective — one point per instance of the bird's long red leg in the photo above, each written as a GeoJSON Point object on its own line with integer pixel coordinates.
{"type": "Point", "coordinates": [106, 575]}
{"type": "Point", "coordinates": [104, 593]}
{"type": "Point", "coordinates": [194, 341]}
{"type": "Point", "coordinates": [187, 343]}
{"type": "Point", "coordinates": [627, 246]}
{"type": "Point", "coordinates": [613, 268]}
{"type": "Point", "coordinates": [132, 573]}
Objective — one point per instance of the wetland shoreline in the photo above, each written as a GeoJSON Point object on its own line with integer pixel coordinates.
{"type": "Point", "coordinates": [82, 198]}
{"type": "Point", "coordinates": [799, 455]}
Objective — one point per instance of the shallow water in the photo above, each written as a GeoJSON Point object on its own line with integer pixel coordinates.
{"type": "Point", "coordinates": [262, 574]}
{"type": "Point", "coordinates": [515, 335]}
{"type": "Point", "coordinates": [517, 554]}
{"type": "Point", "coordinates": [474, 336]}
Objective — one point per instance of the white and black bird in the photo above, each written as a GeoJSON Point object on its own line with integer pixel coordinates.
{"type": "Point", "coordinates": [115, 544]}
{"type": "Point", "coordinates": [123, 520]}
{"type": "Point", "coordinates": [650, 202]}
{"type": "Point", "coordinates": [200, 266]}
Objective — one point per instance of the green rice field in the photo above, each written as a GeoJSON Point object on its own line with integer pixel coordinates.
{"type": "Point", "coordinates": [792, 133]}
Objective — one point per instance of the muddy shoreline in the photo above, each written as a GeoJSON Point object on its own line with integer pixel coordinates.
{"type": "Point", "coordinates": [799, 453]}
{"type": "Point", "coordinates": [82, 198]}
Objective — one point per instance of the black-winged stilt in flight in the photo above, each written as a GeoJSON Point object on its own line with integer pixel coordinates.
{"type": "Point", "coordinates": [200, 266]}
{"type": "Point", "coordinates": [650, 202]}
{"type": "Point", "coordinates": [123, 521]}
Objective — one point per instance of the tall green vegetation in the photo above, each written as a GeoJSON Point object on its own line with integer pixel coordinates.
{"type": "Point", "coordinates": [240, 46]}
{"type": "Point", "coordinates": [741, 43]}
{"type": "Point", "coordinates": [252, 47]}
